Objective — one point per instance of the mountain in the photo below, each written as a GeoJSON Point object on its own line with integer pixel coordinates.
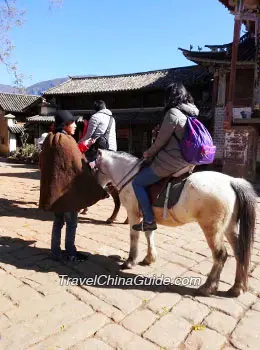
{"type": "Point", "coordinates": [39, 88]}
{"type": "Point", "coordinates": [36, 89]}
{"type": "Point", "coordinates": [8, 89]}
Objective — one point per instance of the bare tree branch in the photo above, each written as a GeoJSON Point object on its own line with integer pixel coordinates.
{"type": "Point", "coordinates": [57, 3]}
{"type": "Point", "coordinates": [12, 16]}
{"type": "Point", "coordinates": [7, 4]}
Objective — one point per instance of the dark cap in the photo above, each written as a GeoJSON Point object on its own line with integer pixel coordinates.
{"type": "Point", "coordinates": [62, 117]}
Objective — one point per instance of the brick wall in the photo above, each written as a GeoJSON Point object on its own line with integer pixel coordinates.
{"type": "Point", "coordinates": [218, 131]}
{"type": "Point", "coordinates": [241, 152]}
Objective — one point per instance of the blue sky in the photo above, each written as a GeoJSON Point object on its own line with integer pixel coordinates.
{"type": "Point", "coordinates": [105, 37]}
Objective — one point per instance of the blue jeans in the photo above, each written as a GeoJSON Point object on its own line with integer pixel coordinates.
{"type": "Point", "coordinates": [143, 179]}
{"type": "Point", "coordinates": [71, 219]}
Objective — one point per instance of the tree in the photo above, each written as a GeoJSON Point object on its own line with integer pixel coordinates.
{"type": "Point", "coordinates": [12, 16]}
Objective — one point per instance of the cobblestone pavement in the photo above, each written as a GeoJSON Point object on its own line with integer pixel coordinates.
{"type": "Point", "coordinates": [37, 312]}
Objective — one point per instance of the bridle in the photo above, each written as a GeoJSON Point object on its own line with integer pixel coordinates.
{"type": "Point", "coordinates": [125, 176]}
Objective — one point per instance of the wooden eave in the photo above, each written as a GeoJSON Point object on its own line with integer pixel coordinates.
{"type": "Point", "coordinates": [212, 61]}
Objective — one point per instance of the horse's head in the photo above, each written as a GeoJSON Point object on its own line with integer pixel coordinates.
{"type": "Point", "coordinates": [115, 167]}
{"type": "Point", "coordinates": [103, 175]}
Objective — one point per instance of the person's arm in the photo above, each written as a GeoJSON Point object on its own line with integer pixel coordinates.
{"type": "Point", "coordinates": [92, 126]}
{"type": "Point", "coordinates": [165, 133]}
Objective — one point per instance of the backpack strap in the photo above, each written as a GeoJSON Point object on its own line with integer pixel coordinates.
{"type": "Point", "coordinates": [187, 116]}
{"type": "Point", "coordinates": [108, 127]}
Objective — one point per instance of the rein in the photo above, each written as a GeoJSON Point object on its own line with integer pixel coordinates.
{"type": "Point", "coordinates": [127, 182]}
{"type": "Point", "coordinates": [131, 178]}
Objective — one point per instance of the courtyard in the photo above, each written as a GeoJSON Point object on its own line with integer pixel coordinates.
{"type": "Point", "coordinates": [46, 304]}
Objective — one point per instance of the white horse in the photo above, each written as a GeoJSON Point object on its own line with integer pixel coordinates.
{"type": "Point", "coordinates": [220, 204]}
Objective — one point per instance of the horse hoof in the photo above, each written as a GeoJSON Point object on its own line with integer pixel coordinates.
{"type": "Point", "coordinates": [144, 263]}
{"type": "Point", "coordinates": [110, 221]}
{"type": "Point", "coordinates": [207, 291]}
{"type": "Point", "coordinates": [148, 260]}
{"type": "Point", "coordinates": [128, 264]}
{"type": "Point", "coordinates": [126, 221]}
{"type": "Point", "coordinates": [234, 292]}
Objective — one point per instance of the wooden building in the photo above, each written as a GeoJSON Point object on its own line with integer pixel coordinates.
{"type": "Point", "coordinates": [235, 93]}
{"type": "Point", "coordinates": [14, 109]}
{"type": "Point", "coordinates": [40, 123]}
{"type": "Point", "coordinates": [136, 100]}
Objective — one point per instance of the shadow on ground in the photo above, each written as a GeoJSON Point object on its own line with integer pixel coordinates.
{"type": "Point", "coordinates": [24, 255]}
{"type": "Point", "coordinates": [20, 209]}
{"type": "Point", "coordinates": [33, 175]}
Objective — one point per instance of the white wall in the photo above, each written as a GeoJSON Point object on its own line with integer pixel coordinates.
{"type": "Point", "coordinates": [12, 142]}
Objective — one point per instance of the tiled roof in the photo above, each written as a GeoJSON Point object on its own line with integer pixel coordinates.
{"type": "Point", "coordinates": [9, 116]}
{"type": "Point", "coordinates": [45, 119]}
{"type": "Point", "coordinates": [246, 52]}
{"type": "Point", "coordinates": [41, 119]}
{"type": "Point", "coordinates": [16, 128]}
{"type": "Point", "coordinates": [15, 102]}
{"type": "Point", "coordinates": [228, 4]}
{"type": "Point", "coordinates": [158, 79]}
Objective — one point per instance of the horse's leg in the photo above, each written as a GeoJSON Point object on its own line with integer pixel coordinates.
{"type": "Point", "coordinates": [134, 238]}
{"type": "Point", "coordinates": [117, 203]}
{"type": "Point", "coordinates": [215, 238]}
{"type": "Point", "coordinates": [151, 250]}
{"type": "Point", "coordinates": [239, 285]}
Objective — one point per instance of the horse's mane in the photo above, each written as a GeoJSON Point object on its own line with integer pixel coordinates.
{"type": "Point", "coordinates": [121, 154]}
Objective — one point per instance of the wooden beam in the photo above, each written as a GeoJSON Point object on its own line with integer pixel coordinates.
{"type": "Point", "coordinates": [256, 98]}
{"type": "Point", "coordinates": [232, 82]}
{"type": "Point", "coordinates": [123, 110]}
{"type": "Point", "coordinates": [246, 16]}
{"type": "Point", "coordinates": [221, 88]}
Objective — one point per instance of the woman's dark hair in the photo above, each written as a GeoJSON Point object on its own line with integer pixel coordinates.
{"type": "Point", "coordinates": [175, 95]}
{"type": "Point", "coordinates": [98, 105]}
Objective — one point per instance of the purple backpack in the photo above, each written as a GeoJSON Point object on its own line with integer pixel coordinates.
{"type": "Point", "coordinates": [197, 146]}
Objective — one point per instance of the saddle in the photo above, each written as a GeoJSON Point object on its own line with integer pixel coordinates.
{"type": "Point", "coordinates": [167, 191]}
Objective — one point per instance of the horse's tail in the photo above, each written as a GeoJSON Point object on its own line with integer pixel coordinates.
{"type": "Point", "coordinates": [246, 217]}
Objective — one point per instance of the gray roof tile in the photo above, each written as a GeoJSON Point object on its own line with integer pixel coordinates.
{"type": "Point", "coordinates": [15, 102]}
{"type": "Point", "coordinates": [16, 128]}
{"type": "Point", "coordinates": [41, 119]}
{"type": "Point", "coordinates": [137, 81]}
{"type": "Point", "coordinates": [45, 119]}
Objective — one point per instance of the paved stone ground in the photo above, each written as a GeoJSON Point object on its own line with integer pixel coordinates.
{"type": "Point", "coordinates": [37, 312]}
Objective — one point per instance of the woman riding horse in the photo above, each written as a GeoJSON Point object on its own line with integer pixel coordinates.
{"type": "Point", "coordinates": [165, 151]}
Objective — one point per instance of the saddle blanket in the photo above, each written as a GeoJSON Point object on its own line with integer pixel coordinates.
{"type": "Point", "coordinates": [170, 188]}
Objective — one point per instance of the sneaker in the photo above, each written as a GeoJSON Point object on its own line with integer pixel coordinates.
{"type": "Point", "coordinates": [145, 226]}
{"type": "Point", "coordinates": [77, 258]}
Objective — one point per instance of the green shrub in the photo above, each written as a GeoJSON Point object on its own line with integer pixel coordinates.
{"type": "Point", "coordinates": [26, 154]}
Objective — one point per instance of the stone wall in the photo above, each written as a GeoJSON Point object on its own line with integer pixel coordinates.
{"type": "Point", "coordinates": [240, 152]}
{"type": "Point", "coordinates": [218, 132]}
